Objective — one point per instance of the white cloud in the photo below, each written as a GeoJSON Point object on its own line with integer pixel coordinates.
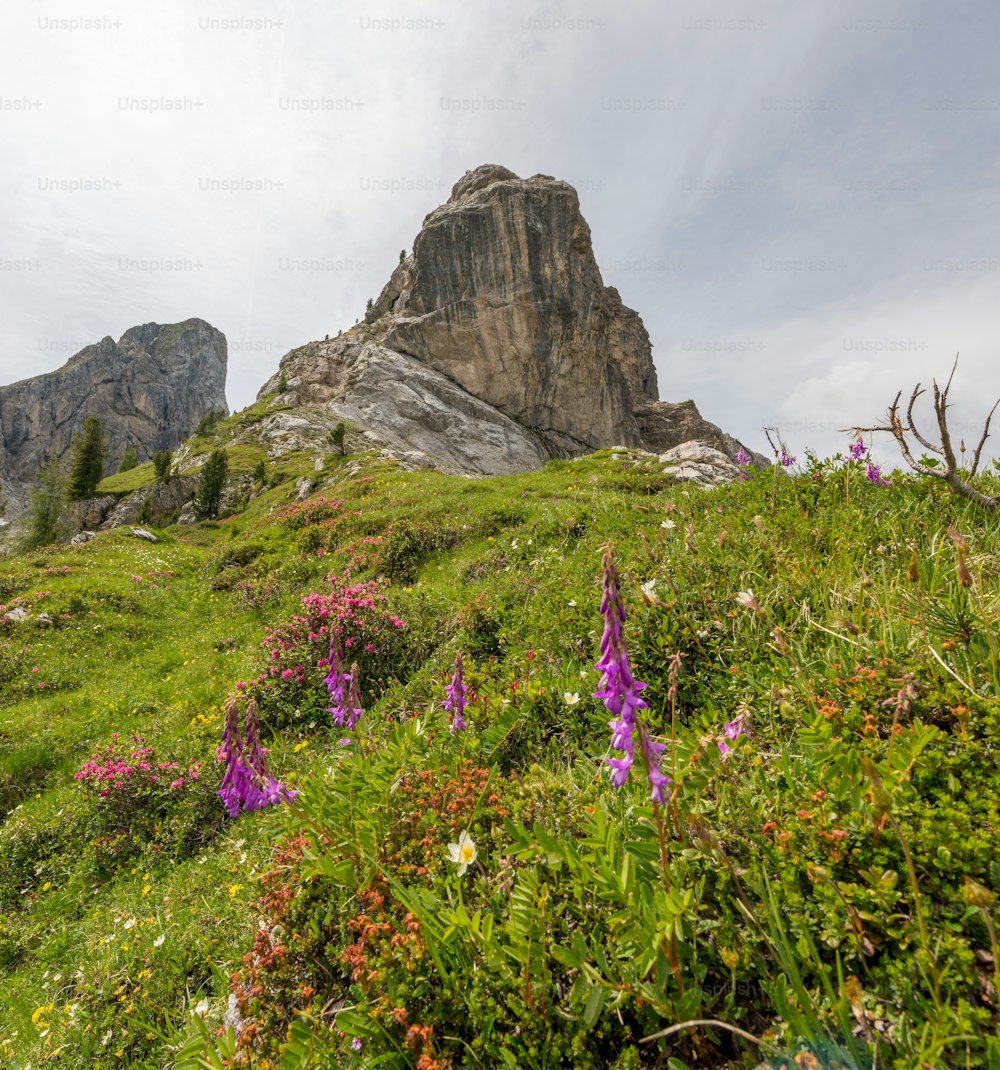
{"type": "Point", "coordinates": [761, 182]}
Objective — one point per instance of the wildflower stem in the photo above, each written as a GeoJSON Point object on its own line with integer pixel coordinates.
{"type": "Point", "coordinates": [699, 1023]}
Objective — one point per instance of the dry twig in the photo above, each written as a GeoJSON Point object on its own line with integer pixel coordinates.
{"type": "Point", "coordinates": [956, 478]}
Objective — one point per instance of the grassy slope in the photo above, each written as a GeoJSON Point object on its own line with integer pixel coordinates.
{"type": "Point", "coordinates": [111, 930]}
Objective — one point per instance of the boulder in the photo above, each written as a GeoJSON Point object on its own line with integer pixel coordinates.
{"type": "Point", "coordinates": [700, 463]}
{"type": "Point", "coordinates": [664, 425]}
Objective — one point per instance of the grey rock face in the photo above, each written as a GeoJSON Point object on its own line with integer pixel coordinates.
{"type": "Point", "coordinates": [90, 512]}
{"type": "Point", "coordinates": [402, 405]}
{"type": "Point", "coordinates": [664, 425]}
{"type": "Point", "coordinates": [499, 326]}
{"type": "Point", "coordinates": [503, 295]}
{"type": "Point", "coordinates": [150, 390]}
{"type": "Point", "coordinates": [493, 347]}
{"type": "Point", "coordinates": [164, 500]}
{"type": "Point", "coordinates": [701, 463]}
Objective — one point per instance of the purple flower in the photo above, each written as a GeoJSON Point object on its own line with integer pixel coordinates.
{"type": "Point", "coordinates": [651, 752]}
{"type": "Point", "coordinates": [786, 458]}
{"type": "Point", "coordinates": [456, 702]}
{"type": "Point", "coordinates": [352, 710]}
{"type": "Point", "coordinates": [742, 457]}
{"type": "Point", "coordinates": [356, 1044]}
{"type": "Point", "coordinates": [873, 475]}
{"type": "Point", "coordinates": [619, 690]}
{"type": "Point", "coordinates": [858, 449]}
{"type": "Point", "coordinates": [337, 681]}
{"type": "Point", "coordinates": [236, 778]}
{"type": "Point", "coordinates": [738, 726]}
{"type": "Point", "coordinates": [247, 783]}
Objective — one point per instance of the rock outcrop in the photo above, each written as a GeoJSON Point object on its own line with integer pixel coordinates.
{"type": "Point", "coordinates": [150, 390]}
{"type": "Point", "coordinates": [700, 463]}
{"type": "Point", "coordinates": [404, 406]}
{"type": "Point", "coordinates": [495, 345]}
{"type": "Point", "coordinates": [664, 425]}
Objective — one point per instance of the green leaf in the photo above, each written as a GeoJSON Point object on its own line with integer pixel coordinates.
{"type": "Point", "coordinates": [595, 1004]}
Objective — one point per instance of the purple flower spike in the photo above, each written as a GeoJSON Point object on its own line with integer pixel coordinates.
{"type": "Point", "coordinates": [858, 449]}
{"type": "Point", "coordinates": [337, 682]}
{"type": "Point", "coordinates": [658, 781]}
{"type": "Point", "coordinates": [786, 458]}
{"type": "Point", "coordinates": [456, 700]}
{"type": "Point", "coordinates": [873, 475]}
{"type": "Point", "coordinates": [742, 457]}
{"type": "Point", "coordinates": [247, 783]}
{"type": "Point", "coordinates": [619, 690]}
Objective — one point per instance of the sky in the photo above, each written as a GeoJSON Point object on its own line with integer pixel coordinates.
{"type": "Point", "coordinates": [800, 200]}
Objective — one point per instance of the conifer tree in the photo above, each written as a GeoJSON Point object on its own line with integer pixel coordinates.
{"type": "Point", "coordinates": [87, 460]}
{"type": "Point", "coordinates": [130, 460]}
{"type": "Point", "coordinates": [208, 498]}
{"type": "Point", "coordinates": [47, 506]}
{"type": "Point", "coordinates": [162, 460]}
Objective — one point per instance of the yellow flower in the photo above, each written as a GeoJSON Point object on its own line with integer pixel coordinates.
{"type": "Point", "coordinates": [39, 1012]}
{"type": "Point", "coordinates": [463, 853]}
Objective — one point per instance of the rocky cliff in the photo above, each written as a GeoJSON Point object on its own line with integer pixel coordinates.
{"type": "Point", "coordinates": [150, 390]}
{"type": "Point", "coordinates": [495, 345]}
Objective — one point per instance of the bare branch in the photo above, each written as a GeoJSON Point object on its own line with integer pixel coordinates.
{"type": "Point", "coordinates": [913, 427]}
{"type": "Point", "coordinates": [982, 441]}
{"type": "Point", "coordinates": [940, 410]}
{"type": "Point", "coordinates": [959, 483]}
{"type": "Point", "coordinates": [950, 377]}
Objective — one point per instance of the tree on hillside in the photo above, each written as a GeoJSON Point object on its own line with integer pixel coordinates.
{"type": "Point", "coordinates": [336, 437]}
{"type": "Point", "coordinates": [210, 421]}
{"type": "Point", "coordinates": [162, 460]}
{"type": "Point", "coordinates": [130, 460]}
{"type": "Point", "coordinates": [87, 460]}
{"type": "Point", "coordinates": [208, 498]}
{"type": "Point", "coordinates": [47, 506]}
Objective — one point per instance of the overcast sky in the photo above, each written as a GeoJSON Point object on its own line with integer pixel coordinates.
{"type": "Point", "coordinates": [800, 199]}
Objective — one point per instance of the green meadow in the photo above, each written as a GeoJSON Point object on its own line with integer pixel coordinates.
{"type": "Point", "coordinates": [818, 889]}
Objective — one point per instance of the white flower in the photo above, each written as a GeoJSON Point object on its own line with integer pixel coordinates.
{"type": "Point", "coordinates": [648, 588]}
{"type": "Point", "coordinates": [572, 601]}
{"type": "Point", "coordinates": [746, 598]}
{"type": "Point", "coordinates": [571, 698]}
{"type": "Point", "coordinates": [158, 942]}
{"type": "Point", "coordinates": [668, 524]}
{"type": "Point", "coordinates": [463, 853]}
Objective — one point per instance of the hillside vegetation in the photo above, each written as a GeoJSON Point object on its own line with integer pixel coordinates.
{"type": "Point", "coordinates": [818, 889]}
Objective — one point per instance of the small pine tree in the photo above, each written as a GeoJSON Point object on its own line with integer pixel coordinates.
{"type": "Point", "coordinates": [402, 255]}
{"type": "Point", "coordinates": [208, 498]}
{"type": "Point", "coordinates": [336, 438]}
{"type": "Point", "coordinates": [282, 383]}
{"type": "Point", "coordinates": [145, 514]}
{"type": "Point", "coordinates": [47, 505]}
{"type": "Point", "coordinates": [162, 460]}
{"type": "Point", "coordinates": [130, 460]}
{"type": "Point", "coordinates": [87, 460]}
{"type": "Point", "coordinates": [259, 473]}
{"type": "Point", "coordinates": [369, 305]}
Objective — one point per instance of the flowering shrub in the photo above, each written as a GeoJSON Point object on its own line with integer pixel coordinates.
{"type": "Point", "coordinates": [316, 510]}
{"type": "Point", "coordinates": [127, 775]}
{"type": "Point", "coordinates": [144, 803]}
{"type": "Point", "coordinates": [357, 616]}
